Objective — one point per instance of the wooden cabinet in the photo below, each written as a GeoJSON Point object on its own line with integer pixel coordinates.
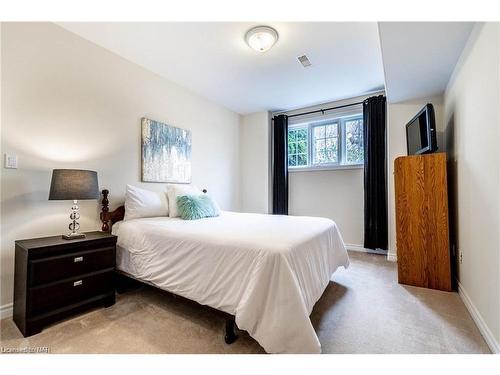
{"type": "Point", "coordinates": [55, 278]}
{"type": "Point", "coordinates": [422, 232]}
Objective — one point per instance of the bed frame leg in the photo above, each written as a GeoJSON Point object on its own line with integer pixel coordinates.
{"type": "Point", "coordinates": [120, 284]}
{"type": "Point", "coordinates": [123, 283]}
{"type": "Point", "coordinates": [230, 336]}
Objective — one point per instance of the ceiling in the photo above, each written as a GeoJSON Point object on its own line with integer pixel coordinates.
{"type": "Point", "coordinates": [419, 57]}
{"type": "Point", "coordinates": [213, 60]}
{"type": "Point", "coordinates": [410, 59]}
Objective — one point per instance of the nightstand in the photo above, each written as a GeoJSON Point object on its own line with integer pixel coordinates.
{"type": "Point", "coordinates": [55, 278]}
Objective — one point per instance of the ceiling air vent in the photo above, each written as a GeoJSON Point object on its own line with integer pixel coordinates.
{"type": "Point", "coordinates": [304, 61]}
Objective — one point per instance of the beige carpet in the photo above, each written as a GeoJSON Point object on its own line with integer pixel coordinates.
{"type": "Point", "coordinates": [364, 310]}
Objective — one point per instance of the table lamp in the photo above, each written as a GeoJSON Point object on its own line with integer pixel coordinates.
{"type": "Point", "coordinates": [73, 184]}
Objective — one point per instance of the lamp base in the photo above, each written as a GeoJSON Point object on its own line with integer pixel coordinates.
{"type": "Point", "coordinates": [73, 236]}
{"type": "Point", "coordinates": [74, 226]}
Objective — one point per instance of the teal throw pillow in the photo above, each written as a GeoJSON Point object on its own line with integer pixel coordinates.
{"type": "Point", "coordinates": [194, 207]}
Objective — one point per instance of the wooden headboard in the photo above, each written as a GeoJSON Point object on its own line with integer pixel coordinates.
{"type": "Point", "coordinates": [109, 218]}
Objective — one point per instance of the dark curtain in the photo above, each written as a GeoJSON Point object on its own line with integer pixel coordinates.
{"type": "Point", "coordinates": [375, 173]}
{"type": "Point", "coordinates": [280, 165]}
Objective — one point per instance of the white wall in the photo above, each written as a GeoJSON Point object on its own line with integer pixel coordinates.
{"type": "Point", "coordinates": [335, 194]}
{"type": "Point", "coordinates": [472, 117]}
{"type": "Point", "coordinates": [255, 162]}
{"type": "Point", "coordinates": [398, 115]}
{"type": "Point", "coordinates": [67, 103]}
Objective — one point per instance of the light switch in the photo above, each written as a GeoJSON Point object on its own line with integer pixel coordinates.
{"type": "Point", "coordinates": [10, 161]}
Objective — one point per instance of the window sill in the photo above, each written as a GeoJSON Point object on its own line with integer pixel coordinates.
{"type": "Point", "coordinates": [325, 168]}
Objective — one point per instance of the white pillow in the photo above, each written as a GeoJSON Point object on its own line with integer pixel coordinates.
{"type": "Point", "coordinates": [144, 203]}
{"type": "Point", "coordinates": [174, 191]}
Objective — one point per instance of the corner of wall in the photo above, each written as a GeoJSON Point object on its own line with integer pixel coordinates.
{"type": "Point", "coordinates": [254, 162]}
{"type": "Point", "coordinates": [476, 31]}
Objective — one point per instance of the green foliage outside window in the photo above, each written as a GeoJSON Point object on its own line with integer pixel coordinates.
{"type": "Point", "coordinates": [297, 147]}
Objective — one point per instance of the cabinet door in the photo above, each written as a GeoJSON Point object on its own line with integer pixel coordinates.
{"type": "Point", "coordinates": [422, 221]}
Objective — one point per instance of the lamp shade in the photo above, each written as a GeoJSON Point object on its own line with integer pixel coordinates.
{"type": "Point", "coordinates": [71, 184]}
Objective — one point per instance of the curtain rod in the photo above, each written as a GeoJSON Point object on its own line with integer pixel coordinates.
{"type": "Point", "coordinates": [324, 110]}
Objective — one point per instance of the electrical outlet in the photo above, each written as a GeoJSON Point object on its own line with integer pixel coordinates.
{"type": "Point", "coordinates": [460, 257]}
{"type": "Point", "coordinates": [10, 161]}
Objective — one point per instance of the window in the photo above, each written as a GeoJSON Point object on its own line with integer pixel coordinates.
{"type": "Point", "coordinates": [336, 142]}
{"type": "Point", "coordinates": [354, 151]}
{"type": "Point", "coordinates": [297, 147]}
{"type": "Point", "coordinates": [326, 143]}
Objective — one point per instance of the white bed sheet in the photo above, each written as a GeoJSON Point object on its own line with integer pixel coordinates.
{"type": "Point", "coordinates": [267, 270]}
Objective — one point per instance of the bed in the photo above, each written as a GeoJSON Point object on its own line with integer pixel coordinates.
{"type": "Point", "coordinates": [267, 271]}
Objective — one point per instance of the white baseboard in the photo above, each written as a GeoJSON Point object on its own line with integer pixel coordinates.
{"type": "Point", "coordinates": [6, 311]}
{"type": "Point", "coordinates": [478, 319]}
{"type": "Point", "coordinates": [391, 257]}
{"type": "Point", "coordinates": [364, 250]}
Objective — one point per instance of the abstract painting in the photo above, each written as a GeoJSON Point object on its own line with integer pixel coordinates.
{"type": "Point", "coordinates": [166, 153]}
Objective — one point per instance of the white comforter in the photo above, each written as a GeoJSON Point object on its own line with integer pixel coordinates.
{"type": "Point", "coordinates": [267, 270]}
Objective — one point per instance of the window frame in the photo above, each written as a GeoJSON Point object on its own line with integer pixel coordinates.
{"type": "Point", "coordinates": [342, 145]}
{"type": "Point", "coordinates": [308, 155]}
{"type": "Point", "coordinates": [317, 124]}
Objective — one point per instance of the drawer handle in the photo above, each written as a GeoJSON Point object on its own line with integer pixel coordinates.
{"type": "Point", "coordinates": [78, 259]}
{"type": "Point", "coordinates": [77, 283]}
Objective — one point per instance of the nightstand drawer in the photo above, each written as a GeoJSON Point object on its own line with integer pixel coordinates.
{"type": "Point", "coordinates": [53, 296]}
{"type": "Point", "coordinates": [60, 267]}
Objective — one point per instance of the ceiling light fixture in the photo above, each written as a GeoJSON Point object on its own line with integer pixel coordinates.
{"type": "Point", "coordinates": [261, 38]}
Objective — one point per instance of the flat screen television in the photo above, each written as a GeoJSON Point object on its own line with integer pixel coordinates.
{"type": "Point", "coordinates": [421, 132]}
